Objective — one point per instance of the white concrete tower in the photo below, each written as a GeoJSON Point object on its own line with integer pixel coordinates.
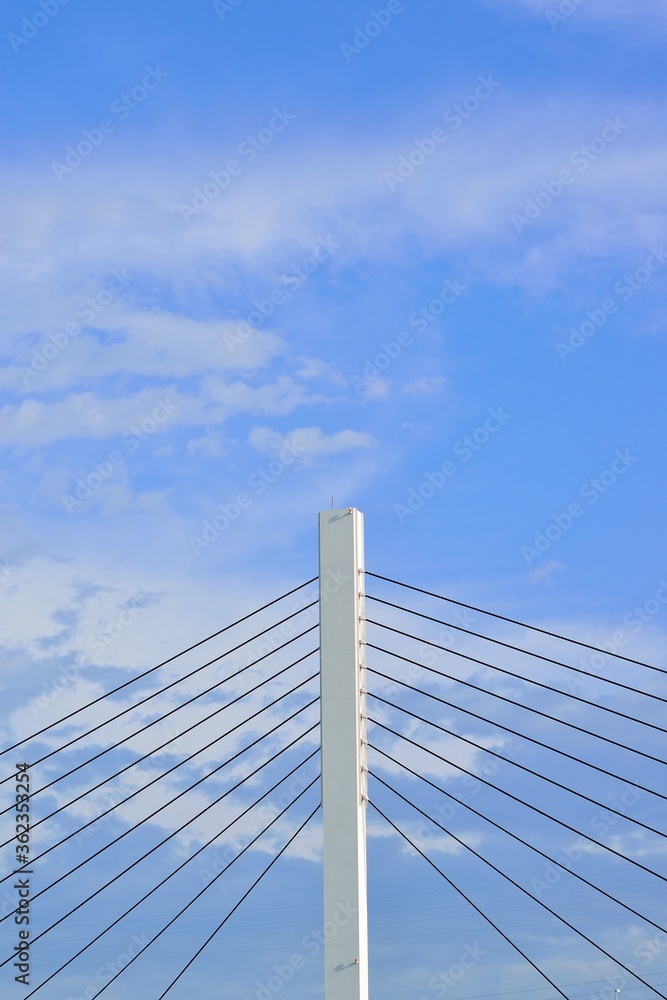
{"type": "Point", "coordinates": [344, 774]}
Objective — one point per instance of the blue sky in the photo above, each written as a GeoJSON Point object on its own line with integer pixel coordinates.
{"type": "Point", "coordinates": [411, 255]}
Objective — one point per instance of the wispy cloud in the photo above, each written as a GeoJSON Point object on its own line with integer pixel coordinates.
{"type": "Point", "coordinates": [641, 14]}
{"type": "Point", "coordinates": [309, 443]}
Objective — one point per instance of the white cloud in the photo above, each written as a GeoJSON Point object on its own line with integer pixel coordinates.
{"type": "Point", "coordinates": [310, 443]}
{"type": "Point", "coordinates": [316, 368]}
{"type": "Point", "coordinates": [144, 343]}
{"type": "Point", "coordinates": [86, 415]}
{"type": "Point", "coordinates": [277, 398]}
{"type": "Point", "coordinates": [639, 14]}
{"type": "Point", "coordinates": [428, 838]}
{"type": "Point", "coordinates": [545, 573]}
{"type": "Point", "coordinates": [239, 249]}
{"type": "Point", "coordinates": [210, 445]}
{"type": "Point", "coordinates": [425, 386]}
{"type": "Point", "coordinates": [379, 388]}
{"type": "Point", "coordinates": [150, 411]}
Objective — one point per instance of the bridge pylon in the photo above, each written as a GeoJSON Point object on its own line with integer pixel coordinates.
{"type": "Point", "coordinates": [344, 773]}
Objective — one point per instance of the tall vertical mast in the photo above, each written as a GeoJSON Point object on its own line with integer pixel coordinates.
{"type": "Point", "coordinates": [344, 773]}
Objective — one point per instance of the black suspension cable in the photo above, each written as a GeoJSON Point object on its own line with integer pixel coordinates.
{"type": "Point", "coordinates": [138, 760]}
{"type": "Point", "coordinates": [274, 820]}
{"type": "Point", "coordinates": [502, 791]}
{"type": "Point", "coordinates": [516, 885]}
{"type": "Point", "coordinates": [525, 892]}
{"type": "Point", "coordinates": [166, 687]}
{"type": "Point", "coordinates": [156, 721]}
{"type": "Point", "coordinates": [243, 897]}
{"type": "Point", "coordinates": [469, 901]}
{"type": "Point", "coordinates": [520, 677]}
{"type": "Point", "coordinates": [187, 861]}
{"type": "Point", "coordinates": [517, 704]}
{"type": "Point", "coordinates": [522, 767]}
{"type": "Point", "coordinates": [164, 663]}
{"type": "Point", "coordinates": [159, 777]}
{"type": "Point", "coordinates": [514, 732]}
{"type": "Point", "coordinates": [160, 808]}
{"type": "Point", "coordinates": [516, 649]}
{"type": "Point", "coordinates": [514, 836]}
{"type": "Point", "coordinates": [513, 621]}
{"type": "Point", "coordinates": [213, 880]}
